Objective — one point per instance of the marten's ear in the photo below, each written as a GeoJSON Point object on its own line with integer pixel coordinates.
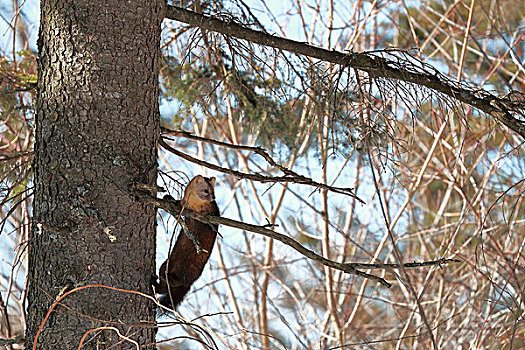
{"type": "Point", "coordinates": [197, 180]}
{"type": "Point", "coordinates": [212, 181]}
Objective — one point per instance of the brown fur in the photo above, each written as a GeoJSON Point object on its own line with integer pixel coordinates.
{"type": "Point", "coordinates": [184, 266]}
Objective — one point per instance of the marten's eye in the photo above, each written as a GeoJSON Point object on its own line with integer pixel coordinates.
{"type": "Point", "coordinates": [207, 191]}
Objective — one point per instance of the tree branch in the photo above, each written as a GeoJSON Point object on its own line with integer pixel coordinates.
{"type": "Point", "coordinates": [255, 149]}
{"type": "Point", "coordinates": [296, 178]}
{"type": "Point", "coordinates": [174, 208]}
{"type": "Point", "coordinates": [499, 108]}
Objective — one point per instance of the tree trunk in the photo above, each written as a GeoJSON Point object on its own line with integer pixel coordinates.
{"type": "Point", "coordinates": [97, 128]}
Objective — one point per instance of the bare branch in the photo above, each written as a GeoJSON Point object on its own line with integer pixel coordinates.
{"type": "Point", "coordinates": [174, 208]}
{"type": "Point", "coordinates": [379, 67]}
{"type": "Point", "coordinates": [258, 150]}
{"type": "Point", "coordinates": [298, 179]}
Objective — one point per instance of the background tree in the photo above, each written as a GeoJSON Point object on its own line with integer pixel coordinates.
{"type": "Point", "coordinates": [439, 178]}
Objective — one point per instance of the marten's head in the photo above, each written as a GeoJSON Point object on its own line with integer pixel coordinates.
{"type": "Point", "coordinates": [199, 193]}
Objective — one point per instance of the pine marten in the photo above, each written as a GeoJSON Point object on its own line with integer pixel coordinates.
{"type": "Point", "coordinates": [184, 265]}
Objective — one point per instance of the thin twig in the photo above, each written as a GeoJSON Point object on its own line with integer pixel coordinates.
{"type": "Point", "coordinates": [258, 150]}
{"type": "Point", "coordinates": [397, 254]}
{"type": "Point", "coordinates": [299, 179]}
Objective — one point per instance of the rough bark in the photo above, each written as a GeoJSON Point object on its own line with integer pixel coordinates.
{"type": "Point", "coordinates": [97, 128]}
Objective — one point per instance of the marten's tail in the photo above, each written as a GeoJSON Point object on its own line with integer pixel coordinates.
{"type": "Point", "coordinates": [174, 296]}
